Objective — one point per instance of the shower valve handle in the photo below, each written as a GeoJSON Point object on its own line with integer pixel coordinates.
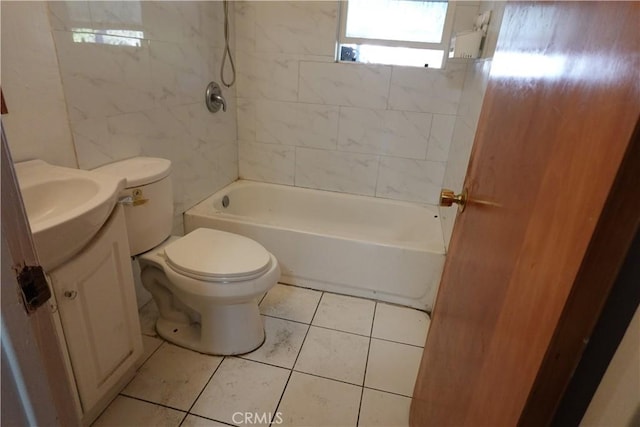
{"type": "Point", "coordinates": [213, 98]}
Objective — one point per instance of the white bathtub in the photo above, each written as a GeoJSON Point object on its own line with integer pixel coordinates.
{"type": "Point", "coordinates": [355, 245]}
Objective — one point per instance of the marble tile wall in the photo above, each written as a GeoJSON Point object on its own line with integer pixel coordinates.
{"type": "Point", "coordinates": [142, 95]}
{"type": "Point", "coordinates": [37, 125]}
{"type": "Point", "coordinates": [307, 121]}
{"type": "Point", "coordinates": [466, 119]}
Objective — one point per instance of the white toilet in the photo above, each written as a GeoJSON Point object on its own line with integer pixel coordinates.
{"type": "Point", "coordinates": [205, 284]}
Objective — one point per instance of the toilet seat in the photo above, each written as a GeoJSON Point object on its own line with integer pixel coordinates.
{"type": "Point", "coordinates": [217, 256]}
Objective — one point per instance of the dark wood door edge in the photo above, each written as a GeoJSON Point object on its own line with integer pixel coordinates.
{"type": "Point", "coordinates": [608, 249]}
{"type": "Point", "coordinates": [3, 105]}
{"type": "Point", "coordinates": [616, 317]}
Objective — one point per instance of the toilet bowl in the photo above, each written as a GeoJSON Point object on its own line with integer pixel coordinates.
{"type": "Point", "coordinates": [206, 284]}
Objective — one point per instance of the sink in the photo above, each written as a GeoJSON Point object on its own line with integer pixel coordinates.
{"type": "Point", "coordinates": [66, 207]}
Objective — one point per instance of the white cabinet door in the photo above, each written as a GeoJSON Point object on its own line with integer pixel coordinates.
{"type": "Point", "coordinates": [98, 311]}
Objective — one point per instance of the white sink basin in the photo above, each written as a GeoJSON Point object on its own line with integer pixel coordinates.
{"type": "Point", "coordinates": [66, 207]}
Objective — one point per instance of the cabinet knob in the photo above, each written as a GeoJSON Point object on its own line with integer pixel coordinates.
{"type": "Point", "coordinates": [71, 294]}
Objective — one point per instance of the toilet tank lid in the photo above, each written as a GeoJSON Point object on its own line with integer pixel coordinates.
{"type": "Point", "coordinates": [138, 170]}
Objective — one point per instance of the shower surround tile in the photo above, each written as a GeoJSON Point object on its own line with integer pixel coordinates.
{"type": "Point", "coordinates": [267, 76]}
{"type": "Point", "coordinates": [306, 125]}
{"type": "Point", "coordinates": [102, 80]}
{"type": "Point", "coordinates": [183, 22]}
{"type": "Point", "coordinates": [245, 28]}
{"type": "Point", "coordinates": [241, 386]}
{"type": "Point", "coordinates": [266, 162]}
{"type": "Point", "coordinates": [393, 133]}
{"type": "Point", "coordinates": [440, 137]}
{"type": "Point", "coordinates": [413, 180]}
{"type": "Point", "coordinates": [354, 85]}
{"type": "Point", "coordinates": [336, 171]}
{"type": "Point", "coordinates": [180, 71]}
{"type": "Point", "coordinates": [430, 91]}
{"type": "Point", "coordinates": [246, 112]}
{"type": "Point", "coordinates": [296, 27]}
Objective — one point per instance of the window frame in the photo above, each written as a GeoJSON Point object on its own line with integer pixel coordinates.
{"type": "Point", "coordinates": [445, 41]}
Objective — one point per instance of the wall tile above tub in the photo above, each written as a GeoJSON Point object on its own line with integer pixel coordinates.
{"type": "Point", "coordinates": [440, 137]}
{"type": "Point", "coordinates": [296, 27]}
{"type": "Point", "coordinates": [245, 25]}
{"type": "Point", "coordinates": [213, 130]}
{"type": "Point", "coordinates": [306, 125]}
{"type": "Point", "coordinates": [246, 111]}
{"type": "Point", "coordinates": [69, 15]}
{"type": "Point", "coordinates": [353, 85]}
{"type": "Point", "coordinates": [336, 171]}
{"type": "Point", "coordinates": [393, 133]}
{"type": "Point", "coordinates": [411, 180]}
{"type": "Point", "coordinates": [267, 76]}
{"type": "Point", "coordinates": [432, 91]}
{"type": "Point", "coordinates": [180, 71]}
{"type": "Point", "coordinates": [273, 163]}
{"type": "Point", "coordinates": [184, 22]}
{"type": "Point", "coordinates": [95, 146]}
{"type": "Point", "coordinates": [101, 80]}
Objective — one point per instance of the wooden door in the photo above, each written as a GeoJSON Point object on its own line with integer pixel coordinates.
{"type": "Point", "coordinates": [561, 105]}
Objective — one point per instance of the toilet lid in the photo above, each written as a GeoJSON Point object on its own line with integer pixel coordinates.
{"type": "Point", "coordinates": [214, 255]}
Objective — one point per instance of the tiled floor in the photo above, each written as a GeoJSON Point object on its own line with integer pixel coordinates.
{"type": "Point", "coordinates": [328, 360]}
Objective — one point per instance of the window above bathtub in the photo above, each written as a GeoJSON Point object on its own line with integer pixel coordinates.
{"type": "Point", "coordinates": [395, 32]}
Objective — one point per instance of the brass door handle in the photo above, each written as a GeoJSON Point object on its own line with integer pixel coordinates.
{"type": "Point", "coordinates": [448, 198]}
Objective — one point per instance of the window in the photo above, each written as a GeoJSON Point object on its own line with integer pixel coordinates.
{"type": "Point", "coordinates": [397, 32]}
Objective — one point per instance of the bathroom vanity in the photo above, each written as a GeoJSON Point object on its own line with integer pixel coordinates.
{"type": "Point", "coordinates": [80, 236]}
{"type": "Point", "coordinates": [95, 311]}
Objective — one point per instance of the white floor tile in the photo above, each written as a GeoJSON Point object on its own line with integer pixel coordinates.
{"type": "Point", "coordinates": [148, 316]}
{"type": "Point", "coordinates": [282, 344]}
{"type": "Point", "coordinates": [383, 409]}
{"type": "Point", "coordinates": [348, 314]}
{"type": "Point", "coordinates": [392, 367]}
{"type": "Point", "coordinates": [241, 386]}
{"type": "Point", "coordinates": [173, 376]}
{"type": "Point", "coordinates": [334, 354]}
{"type": "Point", "coordinates": [124, 411]}
{"type": "Point", "coordinates": [400, 324]}
{"type": "Point", "coordinates": [194, 421]}
{"type": "Point", "coordinates": [313, 401]}
{"type": "Point", "coordinates": [149, 345]}
{"type": "Point", "coordinates": [291, 303]}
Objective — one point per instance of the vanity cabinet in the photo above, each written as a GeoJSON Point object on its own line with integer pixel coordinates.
{"type": "Point", "coordinates": [98, 319]}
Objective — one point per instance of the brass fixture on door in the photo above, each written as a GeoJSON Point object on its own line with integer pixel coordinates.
{"type": "Point", "coordinates": [448, 198]}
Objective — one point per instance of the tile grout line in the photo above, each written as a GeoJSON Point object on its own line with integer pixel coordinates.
{"type": "Point", "coordinates": [366, 363]}
{"type": "Point", "coordinates": [339, 330]}
{"type": "Point", "coordinates": [297, 356]}
{"type": "Point", "coordinates": [203, 388]}
{"type": "Point", "coordinates": [151, 402]}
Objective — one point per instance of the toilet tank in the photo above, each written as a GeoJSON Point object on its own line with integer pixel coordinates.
{"type": "Point", "coordinates": [148, 200]}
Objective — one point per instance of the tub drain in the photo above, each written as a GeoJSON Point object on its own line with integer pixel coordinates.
{"type": "Point", "coordinates": [225, 201]}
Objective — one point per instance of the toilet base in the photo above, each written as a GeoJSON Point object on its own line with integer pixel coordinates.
{"type": "Point", "coordinates": [213, 335]}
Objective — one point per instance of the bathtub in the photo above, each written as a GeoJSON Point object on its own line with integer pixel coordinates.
{"type": "Point", "coordinates": [355, 245]}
